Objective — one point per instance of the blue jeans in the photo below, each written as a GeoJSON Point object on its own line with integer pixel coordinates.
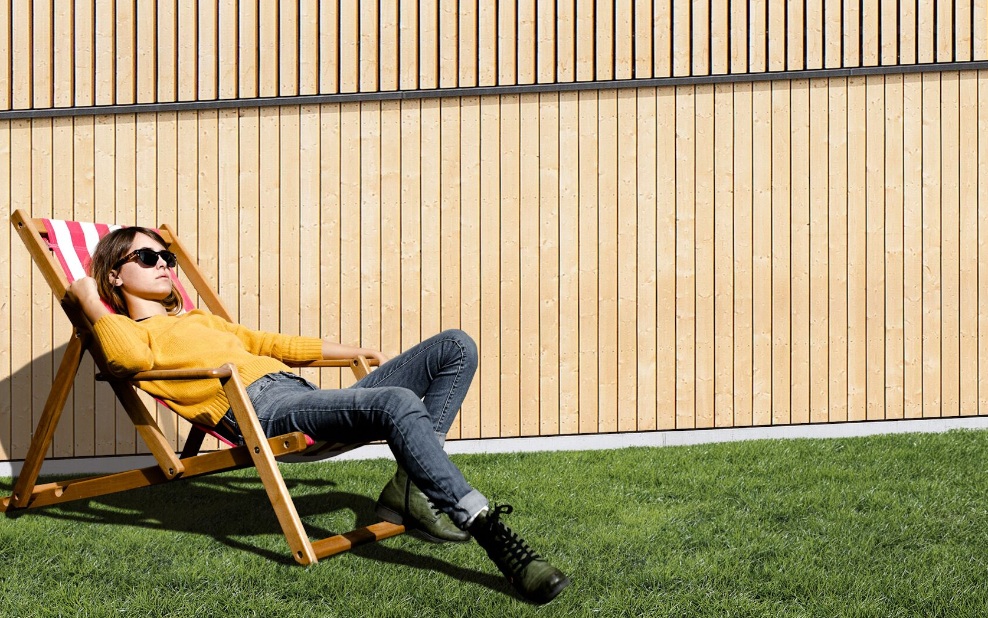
{"type": "Point", "coordinates": [409, 401]}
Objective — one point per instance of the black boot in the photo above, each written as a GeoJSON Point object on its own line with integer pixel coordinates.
{"type": "Point", "coordinates": [533, 577]}
{"type": "Point", "coordinates": [401, 502]}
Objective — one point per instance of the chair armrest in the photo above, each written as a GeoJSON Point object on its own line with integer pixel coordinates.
{"type": "Point", "coordinates": [215, 373]}
{"type": "Point", "coordinates": [346, 362]}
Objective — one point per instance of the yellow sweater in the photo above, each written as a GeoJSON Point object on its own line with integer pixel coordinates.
{"type": "Point", "coordinates": [197, 340]}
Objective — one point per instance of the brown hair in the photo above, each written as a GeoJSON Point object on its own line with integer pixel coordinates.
{"type": "Point", "coordinates": [110, 250]}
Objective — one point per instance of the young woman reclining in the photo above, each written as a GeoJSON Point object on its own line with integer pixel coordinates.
{"type": "Point", "coordinates": [410, 401]}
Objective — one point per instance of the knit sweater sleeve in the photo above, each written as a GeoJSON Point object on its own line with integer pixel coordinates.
{"type": "Point", "coordinates": [126, 345]}
{"type": "Point", "coordinates": [285, 348]}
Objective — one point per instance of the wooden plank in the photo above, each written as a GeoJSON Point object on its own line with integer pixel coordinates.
{"type": "Point", "coordinates": [743, 266]}
{"type": "Point", "coordinates": [507, 43]}
{"type": "Point", "coordinates": [369, 54]}
{"type": "Point", "coordinates": [588, 260]}
{"type": "Point", "coordinates": [837, 256]}
{"type": "Point", "coordinates": [608, 264]}
{"type": "Point", "coordinates": [624, 39]}
{"type": "Point", "coordinates": [450, 217]}
{"type": "Point", "coordinates": [761, 256]}
{"type": "Point", "coordinates": [431, 153]}
{"type": "Point", "coordinates": [888, 32]}
{"type": "Point", "coordinates": [776, 33]}
{"type": "Point", "coordinates": [391, 214]}
{"type": "Point", "coordinates": [833, 34]}
{"type": "Point", "coordinates": [564, 23]}
{"type": "Point", "coordinates": [411, 223]}
{"type": "Point", "coordinates": [6, 52]}
{"type": "Point", "coordinates": [815, 26]}
{"type": "Point", "coordinates": [125, 206]}
{"type": "Point", "coordinates": [870, 23]}
{"type": "Point", "coordinates": [852, 34]}
{"type": "Point", "coordinates": [894, 385]}
{"type": "Point", "coordinates": [665, 248]}
{"type": "Point", "coordinates": [925, 32]}
{"type": "Point", "coordinates": [6, 287]}
{"type": "Point", "coordinates": [796, 31]}
{"type": "Point", "coordinates": [907, 32]}
{"type": "Point", "coordinates": [874, 219]}
{"type": "Point", "coordinates": [646, 295]}
{"type": "Point", "coordinates": [41, 173]}
{"type": "Point", "coordinates": [723, 256]}
{"type": "Point", "coordinates": [166, 53]}
{"type": "Point", "coordinates": [585, 39]}
{"type": "Point", "coordinates": [982, 240]}
{"type": "Point", "coordinates": [490, 259]}
{"type": "Point", "coordinates": [549, 247]}
{"type": "Point", "coordinates": [467, 40]}
{"type": "Point", "coordinates": [248, 71]}
{"type": "Point", "coordinates": [428, 44]}
{"type": "Point", "coordinates": [21, 48]}
{"type": "Point", "coordinates": [330, 161]}
{"type": "Point", "coordinates": [979, 35]}
{"type": "Point", "coordinates": [949, 241]}
{"type": "Point", "coordinates": [912, 242]}
{"type": "Point", "coordinates": [308, 47]}
{"type": "Point", "coordinates": [739, 36]}
{"type": "Point", "coordinates": [228, 59]}
{"type": "Point", "coordinates": [329, 47]}
{"type": "Point", "coordinates": [449, 41]}
{"type": "Point", "coordinates": [704, 257]}
{"type": "Point", "coordinates": [105, 28]}
{"type": "Point", "coordinates": [782, 152]}
{"type": "Point", "coordinates": [390, 60]}
{"type": "Point", "coordinates": [662, 41]}
{"type": "Point", "coordinates": [62, 155]}
{"type": "Point", "coordinates": [83, 198]}
{"type": "Point", "coordinates": [187, 52]}
{"type": "Point", "coordinates": [21, 301]}
{"type": "Point", "coordinates": [968, 242]}
{"type": "Point", "coordinates": [470, 201]}
{"type": "Point", "coordinates": [819, 236]}
{"type": "Point", "coordinates": [349, 225]}
{"type": "Point", "coordinates": [42, 60]}
{"type": "Point", "coordinates": [370, 225]}
{"type": "Point", "coordinates": [147, 51]}
{"type": "Point", "coordinates": [529, 264]}
{"type": "Point", "coordinates": [758, 36]}
{"type": "Point", "coordinates": [268, 49]}
{"type": "Point", "coordinates": [569, 262]}
{"type": "Point", "coordinates": [288, 235]}
{"type": "Point", "coordinates": [642, 39]}
{"type": "Point", "coordinates": [509, 274]}
{"type": "Point", "coordinates": [799, 252]}
{"type": "Point", "coordinates": [249, 205]}
{"type": "Point", "coordinates": [682, 61]}
{"type": "Point", "coordinates": [857, 280]}
{"type": "Point", "coordinates": [269, 208]}
{"type": "Point", "coordinates": [63, 67]}
{"type": "Point", "coordinates": [686, 344]}
{"type": "Point", "coordinates": [932, 248]}
{"type": "Point", "coordinates": [487, 43]}
{"type": "Point", "coordinates": [527, 45]}
{"type": "Point", "coordinates": [228, 230]}
{"type": "Point", "coordinates": [627, 261]}
{"type": "Point", "coordinates": [944, 33]}
{"type": "Point", "coordinates": [309, 229]}
{"type": "Point", "coordinates": [207, 52]}
{"type": "Point", "coordinates": [604, 40]}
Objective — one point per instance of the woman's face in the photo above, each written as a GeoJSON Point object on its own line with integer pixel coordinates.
{"type": "Point", "coordinates": [139, 281]}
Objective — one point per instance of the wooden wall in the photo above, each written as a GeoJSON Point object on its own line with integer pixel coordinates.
{"type": "Point", "coordinates": [64, 53]}
{"type": "Point", "coordinates": [756, 252]}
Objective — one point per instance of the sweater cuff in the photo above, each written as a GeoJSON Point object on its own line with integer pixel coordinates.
{"type": "Point", "coordinates": [306, 349]}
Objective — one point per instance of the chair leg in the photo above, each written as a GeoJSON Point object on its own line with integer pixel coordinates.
{"type": "Point", "coordinates": [193, 443]}
{"type": "Point", "coordinates": [267, 469]}
{"type": "Point", "coordinates": [45, 430]}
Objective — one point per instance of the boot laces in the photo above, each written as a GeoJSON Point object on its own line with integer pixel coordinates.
{"type": "Point", "coordinates": [513, 549]}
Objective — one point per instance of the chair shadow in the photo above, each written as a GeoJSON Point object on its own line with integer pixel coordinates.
{"type": "Point", "coordinates": [203, 506]}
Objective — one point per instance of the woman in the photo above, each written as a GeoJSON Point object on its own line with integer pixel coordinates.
{"type": "Point", "coordinates": [410, 400]}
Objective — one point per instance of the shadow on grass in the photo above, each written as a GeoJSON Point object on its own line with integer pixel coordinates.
{"type": "Point", "coordinates": [215, 506]}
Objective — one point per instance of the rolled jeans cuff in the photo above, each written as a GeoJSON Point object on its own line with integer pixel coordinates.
{"type": "Point", "coordinates": [467, 508]}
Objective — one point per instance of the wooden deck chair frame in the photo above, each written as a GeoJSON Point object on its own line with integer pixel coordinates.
{"type": "Point", "coordinates": [256, 451]}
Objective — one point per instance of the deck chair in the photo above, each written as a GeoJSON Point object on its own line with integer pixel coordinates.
{"type": "Point", "coordinates": [61, 250]}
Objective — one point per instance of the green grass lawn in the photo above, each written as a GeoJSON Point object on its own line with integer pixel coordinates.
{"type": "Point", "coordinates": [879, 526]}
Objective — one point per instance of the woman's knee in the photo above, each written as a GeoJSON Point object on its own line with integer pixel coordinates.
{"type": "Point", "coordinates": [466, 344]}
{"type": "Point", "coordinates": [399, 404]}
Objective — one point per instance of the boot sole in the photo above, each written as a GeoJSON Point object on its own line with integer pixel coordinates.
{"type": "Point", "coordinates": [394, 517]}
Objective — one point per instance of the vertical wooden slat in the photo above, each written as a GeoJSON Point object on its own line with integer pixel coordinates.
{"type": "Point", "coordinates": [42, 61]}
{"type": "Point", "coordinates": [63, 69]}
{"type": "Point", "coordinates": [588, 260]}
{"type": "Point", "coordinates": [528, 235]}
{"type": "Point", "coordinates": [979, 36]}
{"type": "Point", "coordinates": [704, 256]}
{"type": "Point", "coordinates": [944, 33]}
{"type": "Point", "coordinates": [796, 31]}
{"type": "Point", "coordinates": [6, 62]}
{"type": "Point", "coordinates": [870, 23]}
{"type": "Point", "coordinates": [411, 223]}
{"type": "Point", "coordinates": [431, 154]}
{"type": "Point", "coordinates": [21, 46]}
{"type": "Point", "coordinates": [608, 268]}
{"type": "Point", "coordinates": [894, 384]}
{"type": "Point", "coordinates": [723, 255]}
{"type": "Point", "coordinates": [815, 34]}
{"type": "Point", "coordinates": [207, 53]}
{"type": "Point", "coordinates": [409, 28]}
{"type": "Point", "coordinates": [470, 293]}
{"type": "Point", "coordinates": [269, 207]}
{"type": "Point", "coordinates": [758, 36]}
{"type": "Point", "coordinates": [888, 32]}
{"type": "Point", "coordinates": [228, 228]}
{"type": "Point", "coordinates": [451, 243]}
{"type": "Point", "coordinates": [874, 247]}
{"type": "Point", "coordinates": [84, 53]}
{"type": "Point", "coordinates": [627, 246]}
{"type": "Point", "coordinates": [665, 247]}
{"type": "Point", "coordinates": [925, 34]}
{"type": "Point", "coordinates": [761, 267]}
{"type": "Point", "coordinates": [349, 226]}
{"type": "Point", "coordinates": [908, 40]}
{"type": "Point", "coordinates": [968, 242]}
{"type": "Point", "coordinates": [509, 273]}
{"type": "Point", "coordinates": [391, 227]}
{"type": "Point", "coordinates": [487, 42]}
{"type": "Point", "coordinates": [147, 52]}
{"type": "Point", "coordinates": [389, 61]}
{"type": "Point", "coordinates": [228, 53]}
{"type": "Point", "coordinates": [308, 47]}
{"type": "Point", "coordinates": [329, 47]}
{"type": "Point", "coordinates": [469, 54]}
{"type": "Point", "coordinates": [781, 247]}
{"type": "Point", "coordinates": [21, 357]}
{"type": "Point", "coordinates": [647, 233]}
{"type": "Point", "coordinates": [62, 199]}
{"type": "Point", "coordinates": [932, 280]}
{"type": "Point", "coordinates": [490, 293]}
{"type": "Point", "coordinates": [685, 258]}
{"type": "Point", "coordinates": [550, 300]}
{"type": "Point", "coordinates": [428, 43]}
{"type": "Point", "coordinates": [643, 39]}
{"type": "Point", "coordinates": [682, 62]}
{"type": "Point", "coordinates": [982, 129]}
{"type": "Point", "coordinates": [248, 49]}
{"type": "Point", "coordinates": [158, 175]}
{"type": "Point", "coordinates": [743, 294]}
{"type": "Point", "coordinates": [449, 40]}
{"type": "Point", "coordinates": [528, 43]}
{"type": "Point", "coordinates": [624, 39]}
{"type": "Point", "coordinates": [369, 55]}
{"type": "Point", "coordinates": [662, 41]}
{"type": "Point", "coordinates": [569, 262]}
{"type": "Point", "coordinates": [776, 34]}
{"type": "Point", "coordinates": [41, 171]}
{"type": "Point", "coordinates": [105, 52]}
{"type": "Point", "coordinates": [739, 36]}
{"type": "Point", "coordinates": [125, 204]}
{"type": "Point", "coordinates": [949, 241]}
{"type": "Point", "coordinates": [604, 40]}
{"type": "Point", "coordinates": [268, 48]}
{"type": "Point", "coordinates": [507, 43]}
{"type": "Point", "coordinates": [819, 237]}
{"type": "Point", "coordinates": [330, 261]}
{"type": "Point", "coordinates": [857, 208]}
{"type": "Point", "coordinates": [104, 181]}
{"type": "Point", "coordinates": [912, 241]}
{"type": "Point", "coordinates": [288, 235]}
{"type": "Point", "coordinates": [833, 34]}
{"type": "Point", "coordinates": [167, 53]}
{"type": "Point", "coordinates": [6, 287]}
{"type": "Point", "coordinates": [799, 252]}
{"type": "Point", "coordinates": [720, 53]}
{"type": "Point", "coordinates": [83, 194]}
{"type": "Point", "coordinates": [565, 27]}
{"type": "Point", "coordinates": [852, 34]}
{"type": "Point", "coordinates": [248, 207]}
{"type": "Point", "coordinates": [187, 65]}
{"type": "Point", "coordinates": [370, 224]}
{"type": "Point", "coordinates": [585, 38]}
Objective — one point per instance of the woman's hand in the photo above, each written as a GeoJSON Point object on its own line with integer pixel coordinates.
{"type": "Point", "coordinates": [84, 293]}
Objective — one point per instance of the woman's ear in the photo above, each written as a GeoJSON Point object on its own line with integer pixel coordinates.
{"type": "Point", "coordinates": [115, 280]}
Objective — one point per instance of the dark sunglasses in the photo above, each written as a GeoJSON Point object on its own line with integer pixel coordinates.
{"type": "Point", "coordinates": [148, 258]}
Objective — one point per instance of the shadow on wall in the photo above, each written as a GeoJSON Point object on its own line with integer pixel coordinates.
{"type": "Point", "coordinates": [92, 423]}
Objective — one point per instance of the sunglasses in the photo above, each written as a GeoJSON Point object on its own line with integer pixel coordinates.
{"type": "Point", "coordinates": [148, 258]}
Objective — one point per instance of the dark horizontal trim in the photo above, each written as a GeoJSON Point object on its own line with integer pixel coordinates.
{"type": "Point", "coordinates": [481, 91]}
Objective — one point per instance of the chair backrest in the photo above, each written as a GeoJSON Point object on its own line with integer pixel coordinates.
{"type": "Point", "coordinates": [73, 243]}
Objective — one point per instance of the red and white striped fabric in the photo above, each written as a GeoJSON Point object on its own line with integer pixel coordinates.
{"type": "Point", "coordinates": [73, 243]}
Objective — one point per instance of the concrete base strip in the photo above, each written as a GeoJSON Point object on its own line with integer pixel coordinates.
{"type": "Point", "coordinates": [104, 465]}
